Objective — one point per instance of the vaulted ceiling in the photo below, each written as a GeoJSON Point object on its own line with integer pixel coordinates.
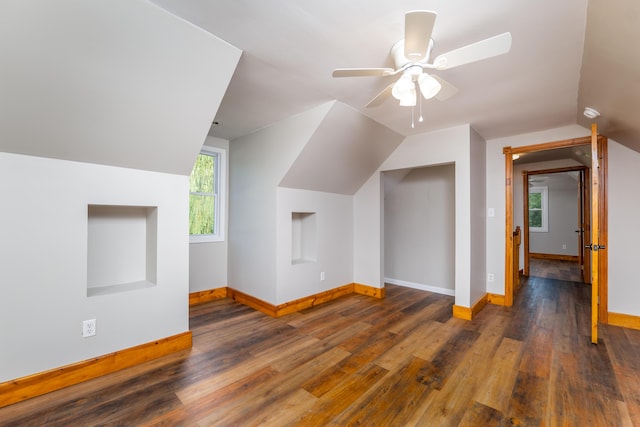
{"type": "Point", "coordinates": [108, 82]}
{"type": "Point", "coordinates": [565, 55]}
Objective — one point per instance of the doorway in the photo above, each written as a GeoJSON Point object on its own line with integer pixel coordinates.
{"type": "Point", "coordinates": [419, 228]}
{"type": "Point", "coordinates": [599, 215]}
{"type": "Point", "coordinates": [555, 217]}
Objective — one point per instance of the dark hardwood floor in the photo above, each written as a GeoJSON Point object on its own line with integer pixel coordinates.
{"type": "Point", "coordinates": [360, 361]}
{"type": "Point", "coordinates": [555, 269]}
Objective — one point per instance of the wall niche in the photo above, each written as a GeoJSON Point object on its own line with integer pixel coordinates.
{"type": "Point", "coordinates": [304, 246]}
{"type": "Point", "coordinates": [121, 248]}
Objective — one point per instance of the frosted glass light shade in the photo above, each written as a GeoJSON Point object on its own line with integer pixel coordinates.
{"type": "Point", "coordinates": [409, 98]}
{"type": "Point", "coordinates": [402, 86]}
{"type": "Point", "coordinates": [429, 86]}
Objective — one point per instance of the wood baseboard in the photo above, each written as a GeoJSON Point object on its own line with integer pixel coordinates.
{"type": "Point", "coordinates": [253, 302]}
{"type": "Point", "coordinates": [313, 300]}
{"type": "Point", "coordinates": [495, 299]}
{"type": "Point", "coordinates": [468, 313]}
{"type": "Point", "coordinates": [368, 290]}
{"type": "Point", "coordinates": [556, 257]}
{"type": "Point", "coordinates": [201, 297]}
{"type": "Point", "coordinates": [305, 302]}
{"type": "Point", "coordinates": [44, 382]}
{"type": "Point", "coordinates": [624, 320]}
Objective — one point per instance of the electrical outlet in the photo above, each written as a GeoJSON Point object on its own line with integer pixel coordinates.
{"type": "Point", "coordinates": [564, 246]}
{"type": "Point", "coordinates": [490, 277]}
{"type": "Point", "coordinates": [322, 275]}
{"type": "Point", "coordinates": [88, 328]}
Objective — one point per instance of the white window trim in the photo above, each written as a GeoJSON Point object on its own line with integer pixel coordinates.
{"type": "Point", "coordinates": [544, 203]}
{"type": "Point", "coordinates": [221, 199]}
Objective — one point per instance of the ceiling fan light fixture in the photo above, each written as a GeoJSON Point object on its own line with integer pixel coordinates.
{"type": "Point", "coordinates": [412, 57]}
{"type": "Point", "coordinates": [429, 86]}
{"type": "Point", "coordinates": [402, 86]}
{"type": "Point", "coordinates": [408, 98]}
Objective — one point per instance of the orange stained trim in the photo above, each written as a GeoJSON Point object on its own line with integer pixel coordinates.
{"type": "Point", "coordinates": [44, 382]}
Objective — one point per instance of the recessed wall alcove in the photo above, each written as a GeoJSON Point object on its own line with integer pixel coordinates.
{"type": "Point", "coordinates": [121, 248]}
{"type": "Point", "coordinates": [304, 246]}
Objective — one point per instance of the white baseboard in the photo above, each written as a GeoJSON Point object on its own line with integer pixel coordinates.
{"type": "Point", "coordinates": [434, 289]}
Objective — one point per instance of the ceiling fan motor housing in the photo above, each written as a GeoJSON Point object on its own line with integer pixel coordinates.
{"type": "Point", "coordinates": [400, 61]}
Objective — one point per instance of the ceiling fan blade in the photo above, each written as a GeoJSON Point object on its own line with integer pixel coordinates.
{"type": "Point", "coordinates": [446, 91]}
{"type": "Point", "coordinates": [418, 25]}
{"type": "Point", "coordinates": [381, 97]}
{"type": "Point", "coordinates": [362, 72]}
{"type": "Point", "coordinates": [493, 46]}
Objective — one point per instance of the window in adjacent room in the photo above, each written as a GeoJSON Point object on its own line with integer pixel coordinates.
{"type": "Point", "coordinates": [206, 197]}
{"type": "Point", "coordinates": [538, 209]}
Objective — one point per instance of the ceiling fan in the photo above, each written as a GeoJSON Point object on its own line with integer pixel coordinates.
{"type": "Point", "coordinates": [411, 58]}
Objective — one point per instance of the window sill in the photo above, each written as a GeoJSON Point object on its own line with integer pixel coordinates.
{"type": "Point", "coordinates": [206, 239]}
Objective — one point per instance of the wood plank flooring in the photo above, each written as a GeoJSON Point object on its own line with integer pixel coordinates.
{"type": "Point", "coordinates": [555, 269]}
{"type": "Point", "coordinates": [401, 361]}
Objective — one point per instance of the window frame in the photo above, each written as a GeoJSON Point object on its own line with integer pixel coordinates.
{"type": "Point", "coordinates": [544, 209]}
{"type": "Point", "coordinates": [220, 180]}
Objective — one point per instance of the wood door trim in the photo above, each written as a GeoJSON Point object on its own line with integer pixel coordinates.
{"type": "Point", "coordinates": [586, 234]}
{"type": "Point", "coordinates": [508, 154]}
{"type": "Point", "coordinates": [556, 170]}
{"type": "Point", "coordinates": [508, 219]}
{"type": "Point", "coordinates": [586, 140]}
{"type": "Point", "coordinates": [595, 232]}
{"type": "Point", "coordinates": [604, 231]}
{"type": "Point", "coordinates": [525, 221]}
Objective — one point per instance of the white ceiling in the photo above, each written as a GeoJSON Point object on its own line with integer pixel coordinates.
{"type": "Point", "coordinates": [290, 48]}
{"type": "Point", "coordinates": [108, 82]}
{"type": "Point", "coordinates": [580, 154]}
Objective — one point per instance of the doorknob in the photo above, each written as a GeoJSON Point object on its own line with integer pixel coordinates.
{"type": "Point", "coordinates": [594, 247]}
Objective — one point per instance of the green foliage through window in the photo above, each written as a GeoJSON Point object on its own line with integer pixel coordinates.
{"type": "Point", "coordinates": [538, 209]}
{"type": "Point", "coordinates": [535, 200]}
{"type": "Point", "coordinates": [535, 218]}
{"type": "Point", "coordinates": [535, 209]}
{"type": "Point", "coordinates": [203, 195]}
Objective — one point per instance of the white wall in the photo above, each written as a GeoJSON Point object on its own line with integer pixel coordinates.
{"type": "Point", "coordinates": [451, 145]}
{"type": "Point", "coordinates": [419, 229]}
{"type": "Point", "coordinates": [496, 193]}
{"type": "Point", "coordinates": [478, 217]}
{"type": "Point", "coordinates": [624, 234]}
{"type": "Point", "coordinates": [257, 163]}
{"type": "Point", "coordinates": [563, 220]}
{"type": "Point", "coordinates": [43, 253]}
{"type": "Point", "coordinates": [208, 261]}
{"type": "Point", "coordinates": [333, 239]}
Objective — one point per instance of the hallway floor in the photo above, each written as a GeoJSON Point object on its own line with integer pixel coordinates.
{"type": "Point", "coordinates": [555, 269]}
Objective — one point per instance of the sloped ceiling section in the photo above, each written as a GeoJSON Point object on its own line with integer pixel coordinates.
{"type": "Point", "coordinates": [610, 77]}
{"type": "Point", "coordinates": [343, 152]}
{"type": "Point", "coordinates": [118, 82]}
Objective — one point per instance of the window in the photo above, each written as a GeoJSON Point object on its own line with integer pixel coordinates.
{"type": "Point", "coordinates": [538, 209]}
{"type": "Point", "coordinates": [206, 197]}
